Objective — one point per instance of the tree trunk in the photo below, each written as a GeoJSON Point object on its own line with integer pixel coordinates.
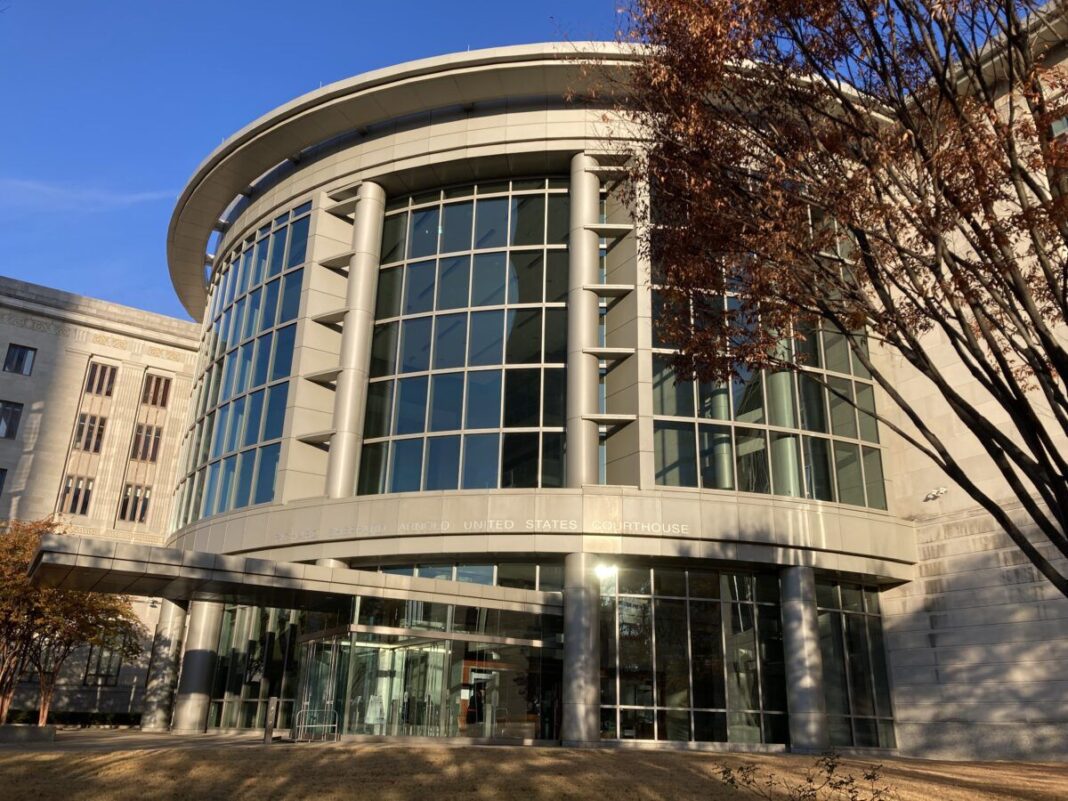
{"type": "Point", "coordinates": [48, 687]}
{"type": "Point", "coordinates": [5, 703]}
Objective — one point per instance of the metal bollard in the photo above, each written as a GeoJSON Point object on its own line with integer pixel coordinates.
{"type": "Point", "coordinates": [272, 716]}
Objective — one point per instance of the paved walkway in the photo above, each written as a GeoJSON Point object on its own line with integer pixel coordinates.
{"type": "Point", "coordinates": [134, 740]}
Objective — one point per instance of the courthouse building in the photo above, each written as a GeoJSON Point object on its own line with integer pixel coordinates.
{"type": "Point", "coordinates": [436, 477]}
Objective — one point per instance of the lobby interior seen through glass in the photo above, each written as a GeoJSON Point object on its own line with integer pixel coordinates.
{"type": "Point", "coordinates": [470, 341]}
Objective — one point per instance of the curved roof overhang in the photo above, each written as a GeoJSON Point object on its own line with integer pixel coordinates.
{"type": "Point", "coordinates": [459, 79]}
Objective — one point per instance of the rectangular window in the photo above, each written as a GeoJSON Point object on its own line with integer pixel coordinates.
{"type": "Point", "coordinates": [19, 359]}
{"type": "Point", "coordinates": [77, 492]}
{"type": "Point", "coordinates": [103, 665]}
{"type": "Point", "coordinates": [157, 391]}
{"type": "Point", "coordinates": [89, 433]}
{"type": "Point", "coordinates": [146, 443]}
{"type": "Point", "coordinates": [3, 479]}
{"type": "Point", "coordinates": [10, 414]}
{"type": "Point", "coordinates": [101, 379]}
{"type": "Point", "coordinates": [133, 508]}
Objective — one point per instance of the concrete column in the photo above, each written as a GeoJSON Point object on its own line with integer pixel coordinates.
{"type": "Point", "coordinates": [198, 668]}
{"type": "Point", "coordinates": [350, 399]}
{"type": "Point", "coordinates": [582, 655]}
{"type": "Point", "coordinates": [163, 668]}
{"type": "Point", "coordinates": [582, 314]}
{"type": "Point", "coordinates": [804, 662]}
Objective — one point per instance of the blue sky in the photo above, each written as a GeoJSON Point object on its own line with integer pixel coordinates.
{"type": "Point", "coordinates": [108, 107]}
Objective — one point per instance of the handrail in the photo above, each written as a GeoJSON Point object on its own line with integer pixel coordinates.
{"type": "Point", "coordinates": [323, 725]}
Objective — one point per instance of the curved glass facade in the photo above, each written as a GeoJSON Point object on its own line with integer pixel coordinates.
{"type": "Point", "coordinates": [470, 341]}
{"type": "Point", "coordinates": [233, 446]}
{"type": "Point", "coordinates": [781, 433]}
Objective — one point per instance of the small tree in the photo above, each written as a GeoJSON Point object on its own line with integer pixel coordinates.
{"type": "Point", "coordinates": [40, 627]}
{"type": "Point", "coordinates": [888, 167]}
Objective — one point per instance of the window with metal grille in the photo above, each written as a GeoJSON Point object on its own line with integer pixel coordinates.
{"type": "Point", "coordinates": [19, 359]}
{"type": "Point", "coordinates": [101, 379]}
{"type": "Point", "coordinates": [133, 507]}
{"type": "Point", "coordinates": [10, 414]}
{"type": "Point", "coordinates": [89, 435]}
{"type": "Point", "coordinates": [146, 443]}
{"type": "Point", "coordinates": [77, 491]}
{"type": "Point", "coordinates": [157, 391]}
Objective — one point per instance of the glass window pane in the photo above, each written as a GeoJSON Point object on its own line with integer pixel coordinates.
{"type": "Point", "coordinates": [525, 277]}
{"type": "Point", "coordinates": [253, 415]}
{"type": "Point", "coordinates": [484, 399]}
{"type": "Point", "coordinates": [260, 262]}
{"type": "Point", "coordinates": [528, 220]}
{"type": "Point", "coordinates": [488, 279]}
{"type": "Point", "coordinates": [878, 657]}
{"type": "Point", "coordinates": [486, 343]}
{"type": "Point", "coordinates": [672, 657]}
{"type": "Point", "coordinates": [282, 363]}
{"type": "Point", "coordinates": [452, 282]}
{"type": "Point", "coordinates": [278, 250]}
{"type": "Point", "coordinates": [384, 350]}
{"type": "Point", "coordinates": [636, 724]}
{"type": "Point", "coordinates": [265, 473]}
{"type": "Point", "coordinates": [813, 405]}
{"type": "Point", "coordinates": [709, 727]}
{"type": "Point", "coordinates": [859, 664]}
{"type": "Point", "coordinates": [782, 408]}
{"type": "Point", "coordinates": [411, 405]}
{"type": "Point", "coordinates": [520, 575]}
{"type": "Point", "coordinates": [291, 296]}
{"type": "Point", "coordinates": [226, 485]}
{"type": "Point", "coordinates": [873, 478]}
{"type": "Point", "coordinates": [442, 463]}
{"type": "Point", "coordinates": [717, 457]}
{"type": "Point", "coordinates": [491, 222]}
{"type": "Point", "coordinates": [387, 301]}
{"type": "Point", "coordinates": [786, 464]}
{"type": "Point", "coordinates": [559, 219]}
{"type": "Point", "coordinates": [843, 414]}
{"type": "Point", "coordinates": [379, 408]}
{"type": "Point", "coordinates": [670, 397]}
{"type": "Point", "coordinates": [752, 461]}
{"type": "Point", "coordinates": [807, 346]}
{"type": "Point", "coordinates": [552, 460]}
{"type": "Point", "coordinates": [742, 689]}
{"type": "Point", "coordinates": [847, 467]}
{"type": "Point", "coordinates": [836, 351]}
{"type": "Point", "coordinates": [245, 470]}
{"type": "Point", "coordinates": [519, 460]}
{"type": "Point", "coordinates": [713, 401]}
{"type": "Point", "coordinates": [423, 240]}
{"type": "Point", "coordinates": [237, 420]}
{"type": "Point", "coordinates": [298, 242]}
{"type": "Point", "coordinates": [276, 411]}
{"type": "Point", "coordinates": [450, 340]}
{"type": "Point", "coordinates": [480, 461]}
{"type": "Point", "coordinates": [419, 287]}
{"type": "Point", "coordinates": [554, 401]}
{"type": "Point", "coordinates": [524, 336]}
{"type": "Point", "coordinates": [456, 226]}
{"type": "Point", "coordinates": [475, 574]}
{"type": "Point", "coordinates": [556, 276]}
{"type": "Point", "coordinates": [522, 398]}
{"type": "Point", "coordinates": [270, 305]}
{"type": "Point", "coordinates": [393, 229]}
{"type": "Point", "coordinates": [772, 659]}
{"type": "Point", "coordinates": [819, 475]}
{"type": "Point", "coordinates": [372, 479]}
{"type": "Point", "coordinates": [447, 402]}
{"type": "Point", "coordinates": [869, 426]}
{"type": "Point", "coordinates": [415, 345]}
{"type": "Point", "coordinates": [407, 465]}
{"type": "Point", "coordinates": [748, 397]}
{"type": "Point", "coordinates": [859, 369]}
{"type": "Point", "coordinates": [252, 316]}
{"type": "Point", "coordinates": [676, 454]}
{"type": "Point", "coordinates": [636, 651]}
{"type": "Point", "coordinates": [706, 641]}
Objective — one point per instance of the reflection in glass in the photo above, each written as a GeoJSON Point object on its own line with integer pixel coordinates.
{"type": "Point", "coordinates": [716, 457]}
{"type": "Point", "coordinates": [552, 459]}
{"type": "Point", "coordinates": [456, 226]}
{"type": "Point", "coordinates": [442, 463]}
{"type": "Point", "coordinates": [525, 277]}
{"type": "Point", "coordinates": [450, 340]}
{"type": "Point", "coordinates": [813, 409]}
{"type": "Point", "coordinates": [786, 464]}
{"type": "Point", "coordinates": [384, 349]}
{"type": "Point", "coordinates": [407, 465]}
{"type": "Point", "coordinates": [446, 402]}
{"type": "Point", "coordinates": [480, 461]}
{"type": "Point", "coordinates": [752, 460]}
{"type": "Point", "coordinates": [675, 450]}
{"type": "Point", "coordinates": [519, 460]}
{"type": "Point", "coordinates": [379, 409]}
{"type": "Point", "coordinates": [411, 405]}
{"type": "Point", "coordinates": [484, 399]}
{"type": "Point", "coordinates": [522, 398]}
{"type": "Point", "coordinates": [276, 411]}
{"type": "Point", "coordinates": [635, 652]}
{"type": "Point", "coordinates": [782, 409]}
{"type": "Point", "coordinates": [670, 397]}
{"type": "Point", "coordinates": [843, 414]}
{"type": "Point", "coordinates": [713, 401]}
{"type": "Point", "coordinates": [847, 468]}
{"type": "Point", "coordinates": [372, 479]}
{"type": "Point", "coordinates": [486, 343]}
{"type": "Point", "coordinates": [393, 237]}
{"type": "Point", "coordinates": [265, 472]}
{"type": "Point", "coordinates": [415, 345]}
{"type": "Point", "coordinates": [873, 478]}
{"type": "Point", "coordinates": [488, 279]}
{"type": "Point", "coordinates": [419, 287]}
{"type": "Point", "coordinates": [423, 240]}
{"type": "Point", "coordinates": [452, 282]}
{"type": "Point", "coordinates": [819, 474]}
{"type": "Point", "coordinates": [748, 396]}
{"type": "Point", "coordinates": [556, 271]}
{"type": "Point", "coordinates": [555, 397]}
{"type": "Point", "coordinates": [672, 659]}
{"type": "Point", "coordinates": [528, 220]}
{"type": "Point", "coordinates": [491, 223]}
{"type": "Point", "coordinates": [524, 336]}
{"type": "Point", "coordinates": [282, 364]}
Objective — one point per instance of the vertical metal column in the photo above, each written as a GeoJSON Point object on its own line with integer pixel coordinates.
{"type": "Point", "coordinates": [350, 399]}
{"type": "Point", "coordinates": [581, 722]}
{"type": "Point", "coordinates": [582, 316]}
{"type": "Point", "coordinates": [163, 668]}
{"type": "Point", "coordinates": [198, 668]}
{"type": "Point", "coordinates": [804, 662]}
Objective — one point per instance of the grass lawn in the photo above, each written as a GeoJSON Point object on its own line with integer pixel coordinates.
{"type": "Point", "coordinates": [436, 773]}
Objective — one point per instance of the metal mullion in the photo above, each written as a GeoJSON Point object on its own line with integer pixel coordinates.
{"type": "Point", "coordinates": [689, 659]}
{"type": "Point", "coordinates": [724, 624]}
{"type": "Point", "coordinates": [619, 684]}
{"type": "Point", "coordinates": [849, 679]}
{"type": "Point", "coordinates": [759, 663]}
{"type": "Point", "coordinates": [652, 617]}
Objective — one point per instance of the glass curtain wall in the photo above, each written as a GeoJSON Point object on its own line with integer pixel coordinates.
{"type": "Point", "coordinates": [470, 342]}
{"type": "Point", "coordinates": [807, 434]}
{"type": "Point", "coordinates": [855, 678]}
{"type": "Point", "coordinates": [691, 655]}
{"type": "Point", "coordinates": [232, 449]}
{"type": "Point", "coordinates": [437, 670]}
